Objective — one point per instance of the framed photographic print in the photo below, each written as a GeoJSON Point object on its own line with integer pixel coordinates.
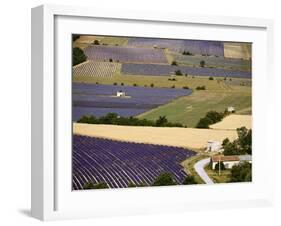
{"type": "Point", "coordinates": [135, 112]}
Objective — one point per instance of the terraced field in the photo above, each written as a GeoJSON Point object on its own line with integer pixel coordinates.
{"type": "Point", "coordinates": [95, 69]}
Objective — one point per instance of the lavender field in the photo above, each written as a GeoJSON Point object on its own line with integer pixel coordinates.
{"type": "Point", "coordinates": [98, 100]}
{"type": "Point", "coordinates": [214, 48]}
{"type": "Point", "coordinates": [167, 70]}
{"type": "Point", "coordinates": [125, 54]}
{"type": "Point", "coordinates": [118, 163]}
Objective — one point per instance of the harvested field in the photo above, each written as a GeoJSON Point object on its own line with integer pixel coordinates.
{"type": "Point", "coordinates": [179, 137]}
{"type": "Point", "coordinates": [237, 50]}
{"type": "Point", "coordinates": [232, 122]}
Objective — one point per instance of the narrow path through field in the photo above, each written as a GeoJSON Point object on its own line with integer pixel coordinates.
{"type": "Point", "coordinates": [199, 168]}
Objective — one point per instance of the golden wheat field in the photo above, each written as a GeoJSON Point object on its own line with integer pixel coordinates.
{"type": "Point", "coordinates": [232, 122]}
{"type": "Point", "coordinates": [180, 137]}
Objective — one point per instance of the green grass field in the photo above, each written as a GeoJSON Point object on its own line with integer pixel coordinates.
{"type": "Point", "coordinates": [114, 40]}
{"type": "Point", "coordinates": [188, 110]}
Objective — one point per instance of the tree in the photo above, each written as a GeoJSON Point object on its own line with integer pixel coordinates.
{"type": "Point", "coordinates": [178, 72]}
{"type": "Point", "coordinates": [189, 180]}
{"type": "Point", "coordinates": [96, 42]}
{"type": "Point", "coordinates": [245, 139]}
{"type": "Point", "coordinates": [174, 63]}
{"type": "Point", "coordinates": [202, 63]}
{"type": "Point", "coordinates": [161, 121]}
{"type": "Point", "coordinates": [220, 166]}
{"type": "Point", "coordinates": [131, 185]}
{"type": "Point", "coordinates": [91, 185]}
{"type": "Point", "coordinates": [211, 78]}
{"type": "Point", "coordinates": [110, 60]}
{"type": "Point", "coordinates": [241, 172]}
{"type": "Point", "coordinates": [201, 88]}
{"type": "Point", "coordinates": [151, 85]}
{"type": "Point", "coordinates": [204, 123]}
{"type": "Point", "coordinates": [78, 56]}
{"type": "Point", "coordinates": [214, 116]}
{"type": "Point", "coordinates": [75, 37]}
{"type": "Point", "coordinates": [242, 145]}
{"type": "Point", "coordinates": [164, 179]}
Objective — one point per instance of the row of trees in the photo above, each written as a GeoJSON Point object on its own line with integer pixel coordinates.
{"type": "Point", "coordinates": [201, 64]}
{"type": "Point", "coordinates": [164, 179]}
{"type": "Point", "coordinates": [211, 118]}
{"type": "Point", "coordinates": [115, 119]}
{"type": "Point", "coordinates": [241, 146]}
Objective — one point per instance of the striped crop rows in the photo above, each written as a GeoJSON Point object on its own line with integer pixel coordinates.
{"type": "Point", "coordinates": [119, 163]}
{"type": "Point", "coordinates": [125, 54]}
{"type": "Point", "coordinates": [95, 69]}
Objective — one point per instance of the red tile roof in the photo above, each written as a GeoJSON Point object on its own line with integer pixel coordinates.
{"type": "Point", "coordinates": [224, 158]}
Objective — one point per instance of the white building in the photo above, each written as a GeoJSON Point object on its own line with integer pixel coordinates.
{"type": "Point", "coordinates": [120, 93]}
{"type": "Point", "coordinates": [231, 109]}
{"type": "Point", "coordinates": [213, 146]}
{"type": "Point", "coordinates": [230, 160]}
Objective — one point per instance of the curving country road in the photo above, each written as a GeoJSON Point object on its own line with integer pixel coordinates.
{"type": "Point", "coordinates": [199, 168]}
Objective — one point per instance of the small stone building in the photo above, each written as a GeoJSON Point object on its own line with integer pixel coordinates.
{"type": "Point", "coordinates": [120, 93]}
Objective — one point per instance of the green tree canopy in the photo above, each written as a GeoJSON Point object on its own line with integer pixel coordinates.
{"type": "Point", "coordinates": [189, 180]}
{"type": "Point", "coordinates": [164, 179]}
{"type": "Point", "coordinates": [78, 56]}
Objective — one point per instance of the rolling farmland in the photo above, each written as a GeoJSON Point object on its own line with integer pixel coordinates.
{"type": "Point", "coordinates": [99, 100]}
{"type": "Point", "coordinates": [159, 89]}
{"type": "Point", "coordinates": [158, 70]}
{"type": "Point", "coordinates": [188, 110]}
{"type": "Point", "coordinates": [120, 163]}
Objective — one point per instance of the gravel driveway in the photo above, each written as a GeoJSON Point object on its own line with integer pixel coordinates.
{"type": "Point", "coordinates": [199, 168]}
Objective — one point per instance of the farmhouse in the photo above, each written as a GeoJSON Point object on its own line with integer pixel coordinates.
{"type": "Point", "coordinates": [120, 93]}
{"type": "Point", "coordinates": [229, 161]}
{"type": "Point", "coordinates": [213, 146]}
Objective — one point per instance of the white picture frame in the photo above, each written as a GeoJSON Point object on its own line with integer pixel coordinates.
{"type": "Point", "coordinates": [51, 197]}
